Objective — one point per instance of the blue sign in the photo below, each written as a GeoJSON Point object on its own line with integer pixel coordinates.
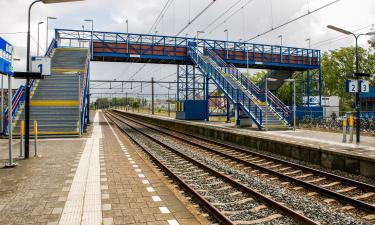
{"type": "Point", "coordinates": [5, 57]}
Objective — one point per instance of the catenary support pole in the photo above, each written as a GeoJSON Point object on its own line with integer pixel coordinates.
{"type": "Point", "coordinates": [152, 97]}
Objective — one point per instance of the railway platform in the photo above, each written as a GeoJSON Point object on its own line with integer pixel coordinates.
{"type": "Point", "coordinates": [99, 178]}
{"type": "Point", "coordinates": [321, 148]}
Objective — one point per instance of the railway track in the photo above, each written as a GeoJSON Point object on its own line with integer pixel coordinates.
{"type": "Point", "coordinates": [348, 191]}
{"type": "Point", "coordinates": [226, 199]}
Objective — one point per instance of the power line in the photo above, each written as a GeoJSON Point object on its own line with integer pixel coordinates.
{"type": "Point", "coordinates": [230, 16]}
{"type": "Point", "coordinates": [161, 15]}
{"type": "Point", "coordinates": [221, 15]}
{"type": "Point", "coordinates": [339, 37]}
{"type": "Point", "coordinates": [290, 21]}
{"type": "Point", "coordinates": [196, 17]}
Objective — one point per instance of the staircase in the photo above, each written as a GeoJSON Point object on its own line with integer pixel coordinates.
{"type": "Point", "coordinates": [57, 102]}
{"type": "Point", "coordinates": [240, 91]}
{"type": "Point", "coordinates": [278, 113]}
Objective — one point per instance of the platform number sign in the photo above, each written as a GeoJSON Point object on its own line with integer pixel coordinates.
{"type": "Point", "coordinates": [6, 50]}
{"type": "Point", "coordinates": [351, 86]}
{"type": "Point", "coordinates": [365, 86]}
{"type": "Point", "coordinates": [41, 65]}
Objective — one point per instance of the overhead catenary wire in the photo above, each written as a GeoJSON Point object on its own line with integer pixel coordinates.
{"type": "Point", "coordinates": [196, 17]}
{"type": "Point", "coordinates": [221, 15]}
{"type": "Point", "coordinates": [160, 15]}
{"type": "Point", "coordinates": [293, 20]}
{"type": "Point", "coordinates": [339, 37]}
{"type": "Point", "coordinates": [230, 16]}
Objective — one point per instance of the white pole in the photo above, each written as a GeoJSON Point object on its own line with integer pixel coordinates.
{"type": "Point", "coordinates": [10, 121]}
{"type": "Point", "coordinates": [2, 104]}
{"type": "Point", "coordinates": [265, 95]}
{"type": "Point", "coordinates": [247, 61]}
{"type": "Point", "coordinates": [127, 38]}
{"type": "Point", "coordinates": [92, 39]}
{"type": "Point", "coordinates": [47, 35]}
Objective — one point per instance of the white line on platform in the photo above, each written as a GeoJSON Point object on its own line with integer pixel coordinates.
{"type": "Point", "coordinates": [83, 205]}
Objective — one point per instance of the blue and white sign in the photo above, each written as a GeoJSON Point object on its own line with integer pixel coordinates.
{"type": "Point", "coordinates": [351, 86]}
{"type": "Point", "coordinates": [6, 50]}
{"type": "Point", "coordinates": [365, 86]}
{"type": "Point", "coordinates": [41, 64]}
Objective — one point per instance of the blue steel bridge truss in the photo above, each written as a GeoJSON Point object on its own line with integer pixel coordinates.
{"type": "Point", "coordinates": [160, 49]}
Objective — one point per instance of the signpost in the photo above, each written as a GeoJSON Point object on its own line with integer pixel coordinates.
{"type": "Point", "coordinates": [358, 86]}
{"type": "Point", "coordinates": [6, 61]}
{"type": "Point", "coordinates": [41, 65]}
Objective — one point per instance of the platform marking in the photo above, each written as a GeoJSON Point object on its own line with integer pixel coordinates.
{"type": "Point", "coordinates": [83, 205]}
{"type": "Point", "coordinates": [156, 198]}
{"type": "Point", "coordinates": [164, 210]}
{"type": "Point", "coordinates": [150, 189]}
{"type": "Point", "coordinates": [173, 222]}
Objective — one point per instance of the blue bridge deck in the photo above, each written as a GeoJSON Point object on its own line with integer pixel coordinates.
{"type": "Point", "coordinates": [145, 48]}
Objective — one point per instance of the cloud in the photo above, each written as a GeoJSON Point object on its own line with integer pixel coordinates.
{"type": "Point", "coordinates": [255, 18]}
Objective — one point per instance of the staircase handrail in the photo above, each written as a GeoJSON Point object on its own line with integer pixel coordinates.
{"type": "Point", "coordinates": [273, 101]}
{"type": "Point", "coordinates": [83, 93]}
{"type": "Point", "coordinates": [17, 100]}
{"type": "Point", "coordinates": [52, 46]}
{"type": "Point", "coordinates": [236, 95]}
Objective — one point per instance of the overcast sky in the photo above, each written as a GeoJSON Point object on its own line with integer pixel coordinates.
{"type": "Point", "coordinates": [249, 18]}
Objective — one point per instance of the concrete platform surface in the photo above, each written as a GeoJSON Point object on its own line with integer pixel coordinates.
{"type": "Point", "coordinates": [99, 179]}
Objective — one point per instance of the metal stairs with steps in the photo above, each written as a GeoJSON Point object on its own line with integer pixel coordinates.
{"type": "Point", "coordinates": [277, 113]}
{"type": "Point", "coordinates": [57, 99]}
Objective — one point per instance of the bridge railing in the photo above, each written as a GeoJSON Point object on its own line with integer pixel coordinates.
{"type": "Point", "coordinates": [17, 101]}
{"type": "Point", "coordinates": [274, 102]}
{"type": "Point", "coordinates": [138, 45]}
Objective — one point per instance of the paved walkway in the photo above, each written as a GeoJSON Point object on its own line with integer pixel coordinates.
{"type": "Point", "coordinates": [100, 179]}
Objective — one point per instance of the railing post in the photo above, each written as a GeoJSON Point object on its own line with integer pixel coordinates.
{"type": "Point", "coordinates": [36, 138]}
{"type": "Point", "coordinates": [22, 133]}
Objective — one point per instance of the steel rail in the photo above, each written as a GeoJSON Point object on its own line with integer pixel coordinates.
{"type": "Point", "coordinates": [342, 198]}
{"type": "Point", "coordinates": [267, 200]}
{"type": "Point", "coordinates": [199, 198]}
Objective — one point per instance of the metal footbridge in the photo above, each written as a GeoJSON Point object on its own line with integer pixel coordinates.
{"type": "Point", "coordinates": [64, 107]}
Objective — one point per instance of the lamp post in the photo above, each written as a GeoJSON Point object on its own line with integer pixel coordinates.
{"type": "Point", "coordinates": [127, 35]}
{"type": "Point", "coordinates": [48, 18]}
{"type": "Point", "coordinates": [92, 36]}
{"type": "Point", "coordinates": [226, 43]}
{"type": "Point", "coordinates": [294, 101]}
{"type": "Point", "coordinates": [38, 47]}
{"type": "Point", "coordinates": [27, 85]}
{"type": "Point", "coordinates": [357, 103]}
{"type": "Point", "coordinates": [281, 39]}
{"type": "Point", "coordinates": [308, 40]}
{"type": "Point", "coordinates": [266, 97]}
{"type": "Point", "coordinates": [10, 112]}
{"type": "Point", "coordinates": [199, 32]}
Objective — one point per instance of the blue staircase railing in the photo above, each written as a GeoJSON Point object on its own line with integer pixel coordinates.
{"type": "Point", "coordinates": [275, 103]}
{"type": "Point", "coordinates": [83, 97]}
{"type": "Point", "coordinates": [234, 94]}
{"type": "Point", "coordinates": [17, 101]}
